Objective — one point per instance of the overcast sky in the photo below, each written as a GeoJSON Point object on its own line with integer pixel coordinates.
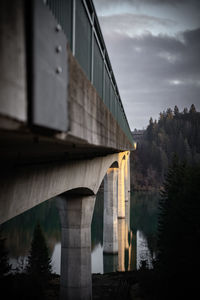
{"type": "Point", "coordinates": [154, 48]}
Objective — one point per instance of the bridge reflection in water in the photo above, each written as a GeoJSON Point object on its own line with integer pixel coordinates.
{"type": "Point", "coordinates": [135, 239]}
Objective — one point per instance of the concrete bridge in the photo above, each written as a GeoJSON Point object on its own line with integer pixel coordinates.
{"type": "Point", "coordinates": [63, 129]}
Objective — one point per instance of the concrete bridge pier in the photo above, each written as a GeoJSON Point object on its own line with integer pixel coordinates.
{"type": "Point", "coordinates": [121, 189]}
{"type": "Point", "coordinates": [127, 189]}
{"type": "Point", "coordinates": [121, 244]}
{"type": "Point", "coordinates": [76, 215]}
{"type": "Point", "coordinates": [127, 200]}
{"type": "Point", "coordinates": [110, 233]}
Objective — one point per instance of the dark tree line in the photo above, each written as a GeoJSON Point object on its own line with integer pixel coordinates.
{"type": "Point", "coordinates": [179, 232]}
{"type": "Point", "coordinates": [175, 272]}
{"type": "Point", "coordinates": [174, 133]}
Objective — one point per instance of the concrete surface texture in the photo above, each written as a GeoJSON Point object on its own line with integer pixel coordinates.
{"type": "Point", "coordinates": [89, 118]}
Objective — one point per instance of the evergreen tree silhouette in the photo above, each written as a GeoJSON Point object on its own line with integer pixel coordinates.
{"type": "Point", "coordinates": [39, 263]}
{"type": "Point", "coordinates": [179, 232]}
{"type": "Point", "coordinates": [4, 260]}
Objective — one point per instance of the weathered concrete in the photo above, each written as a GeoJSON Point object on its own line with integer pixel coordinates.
{"type": "Point", "coordinates": [90, 119]}
{"type": "Point", "coordinates": [13, 102]}
{"type": "Point", "coordinates": [110, 231]}
{"type": "Point", "coordinates": [76, 215]}
{"type": "Point", "coordinates": [91, 124]}
{"type": "Point", "coordinates": [92, 130]}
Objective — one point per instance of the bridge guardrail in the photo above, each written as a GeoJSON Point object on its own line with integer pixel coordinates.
{"type": "Point", "coordinates": [79, 22]}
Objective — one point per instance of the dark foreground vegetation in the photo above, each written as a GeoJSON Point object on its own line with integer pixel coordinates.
{"type": "Point", "coordinates": [174, 273]}
{"type": "Point", "coordinates": [33, 281]}
{"type": "Point", "coordinates": [175, 269]}
{"type": "Point", "coordinates": [179, 232]}
{"type": "Point", "coordinates": [174, 132]}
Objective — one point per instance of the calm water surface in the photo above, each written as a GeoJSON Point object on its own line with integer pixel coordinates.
{"type": "Point", "coordinates": [137, 234]}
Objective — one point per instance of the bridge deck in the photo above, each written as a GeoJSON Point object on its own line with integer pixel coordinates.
{"type": "Point", "coordinates": [96, 122]}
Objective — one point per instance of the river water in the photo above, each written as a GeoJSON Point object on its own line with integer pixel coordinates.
{"type": "Point", "coordinates": [137, 235]}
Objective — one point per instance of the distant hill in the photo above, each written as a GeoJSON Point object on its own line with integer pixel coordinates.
{"type": "Point", "coordinates": [175, 132]}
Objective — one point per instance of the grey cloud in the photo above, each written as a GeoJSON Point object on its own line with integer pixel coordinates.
{"type": "Point", "coordinates": [127, 22]}
{"type": "Point", "coordinates": [145, 77]}
{"type": "Point", "coordinates": [157, 71]}
{"type": "Point", "coordinates": [105, 3]}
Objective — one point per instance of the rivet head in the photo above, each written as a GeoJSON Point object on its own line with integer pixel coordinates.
{"type": "Point", "coordinates": [59, 49]}
{"type": "Point", "coordinates": [58, 70]}
{"type": "Point", "coordinates": [58, 27]}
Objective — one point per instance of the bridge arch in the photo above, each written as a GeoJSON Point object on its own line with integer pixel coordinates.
{"type": "Point", "coordinates": [28, 186]}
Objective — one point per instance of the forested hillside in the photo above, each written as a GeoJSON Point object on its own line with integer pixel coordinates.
{"type": "Point", "coordinates": [175, 132]}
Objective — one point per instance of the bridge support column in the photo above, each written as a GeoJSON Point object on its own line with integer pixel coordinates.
{"type": "Point", "coordinates": [110, 233]}
{"type": "Point", "coordinates": [127, 182]}
{"type": "Point", "coordinates": [121, 243]}
{"type": "Point", "coordinates": [76, 216]}
{"type": "Point", "coordinates": [121, 190]}
{"type": "Point", "coordinates": [127, 194]}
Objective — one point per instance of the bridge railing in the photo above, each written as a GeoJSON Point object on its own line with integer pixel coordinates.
{"type": "Point", "coordinates": [79, 22]}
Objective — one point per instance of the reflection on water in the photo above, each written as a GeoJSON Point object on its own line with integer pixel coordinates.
{"type": "Point", "coordinates": [136, 235]}
{"type": "Point", "coordinates": [97, 259]}
{"type": "Point", "coordinates": [143, 252]}
{"type": "Point", "coordinates": [55, 258]}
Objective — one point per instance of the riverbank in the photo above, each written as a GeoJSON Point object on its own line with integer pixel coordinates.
{"type": "Point", "coordinates": [130, 285]}
{"type": "Point", "coordinates": [116, 285]}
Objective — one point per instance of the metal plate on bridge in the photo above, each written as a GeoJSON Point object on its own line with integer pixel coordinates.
{"type": "Point", "coordinates": [50, 74]}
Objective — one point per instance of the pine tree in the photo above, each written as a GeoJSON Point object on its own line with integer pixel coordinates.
{"type": "Point", "coordinates": [4, 260]}
{"type": "Point", "coordinates": [39, 263]}
{"type": "Point", "coordinates": [176, 111]}
{"type": "Point", "coordinates": [169, 113]}
{"type": "Point", "coordinates": [192, 109]}
{"type": "Point", "coordinates": [150, 130]}
{"type": "Point", "coordinates": [175, 132]}
{"type": "Point", "coordinates": [179, 227]}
